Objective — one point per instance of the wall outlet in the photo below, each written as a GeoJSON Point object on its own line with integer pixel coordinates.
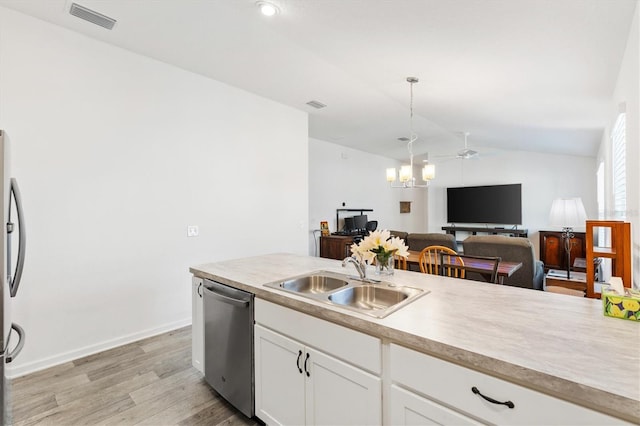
{"type": "Point", "coordinates": [192, 231]}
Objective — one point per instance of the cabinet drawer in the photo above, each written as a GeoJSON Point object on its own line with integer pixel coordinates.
{"type": "Point", "coordinates": [349, 345]}
{"type": "Point", "coordinates": [408, 408]}
{"type": "Point", "coordinates": [451, 385]}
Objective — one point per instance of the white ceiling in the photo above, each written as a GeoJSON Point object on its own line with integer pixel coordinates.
{"type": "Point", "coordinates": [533, 75]}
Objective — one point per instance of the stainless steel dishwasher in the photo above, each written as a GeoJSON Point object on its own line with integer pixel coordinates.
{"type": "Point", "coordinates": [228, 344]}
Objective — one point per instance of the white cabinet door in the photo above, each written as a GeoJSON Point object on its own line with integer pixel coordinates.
{"type": "Point", "coordinates": [339, 393]}
{"type": "Point", "coordinates": [279, 378]}
{"type": "Point", "coordinates": [296, 385]}
{"type": "Point", "coordinates": [197, 325]}
{"type": "Point", "coordinates": [408, 408]}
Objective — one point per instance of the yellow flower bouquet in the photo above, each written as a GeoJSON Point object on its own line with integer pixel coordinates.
{"type": "Point", "coordinates": [382, 247]}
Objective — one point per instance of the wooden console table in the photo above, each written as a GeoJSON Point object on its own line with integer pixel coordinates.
{"type": "Point", "coordinates": [553, 254]}
{"type": "Point", "coordinates": [336, 246]}
{"type": "Point", "coordinates": [493, 231]}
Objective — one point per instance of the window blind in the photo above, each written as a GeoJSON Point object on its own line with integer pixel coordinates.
{"type": "Point", "coordinates": [619, 154]}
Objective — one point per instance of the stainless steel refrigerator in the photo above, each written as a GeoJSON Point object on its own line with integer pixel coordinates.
{"type": "Point", "coordinates": [13, 241]}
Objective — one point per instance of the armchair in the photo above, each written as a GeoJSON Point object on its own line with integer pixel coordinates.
{"type": "Point", "coordinates": [512, 249]}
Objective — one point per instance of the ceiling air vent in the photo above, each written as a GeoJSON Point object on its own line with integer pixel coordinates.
{"type": "Point", "coordinates": [316, 104]}
{"type": "Point", "coordinates": [91, 16]}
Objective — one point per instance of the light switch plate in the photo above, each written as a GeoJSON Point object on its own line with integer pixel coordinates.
{"type": "Point", "coordinates": [192, 231]}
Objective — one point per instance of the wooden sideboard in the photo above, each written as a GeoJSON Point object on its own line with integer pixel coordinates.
{"type": "Point", "coordinates": [553, 254]}
{"type": "Point", "coordinates": [335, 246]}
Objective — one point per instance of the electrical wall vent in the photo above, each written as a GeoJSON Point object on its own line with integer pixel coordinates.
{"type": "Point", "coordinates": [91, 16]}
{"type": "Point", "coordinates": [316, 104]}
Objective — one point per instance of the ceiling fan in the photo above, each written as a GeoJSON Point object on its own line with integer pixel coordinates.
{"type": "Point", "coordinates": [466, 153]}
{"type": "Point", "coordinates": [463, 154]}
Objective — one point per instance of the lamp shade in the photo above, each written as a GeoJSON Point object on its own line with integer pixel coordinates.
{"type": "Point", "coordinates": [567, 213]}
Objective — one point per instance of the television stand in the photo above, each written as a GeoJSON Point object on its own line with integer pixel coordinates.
{"type": "Point", "coordinates": [485, 230]}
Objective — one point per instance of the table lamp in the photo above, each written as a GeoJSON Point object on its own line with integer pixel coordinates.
{"type": "Point", "coordinates": [567, 213]}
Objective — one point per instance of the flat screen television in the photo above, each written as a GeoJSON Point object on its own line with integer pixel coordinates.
{"type": "Point", "coordinates": [495, 204]}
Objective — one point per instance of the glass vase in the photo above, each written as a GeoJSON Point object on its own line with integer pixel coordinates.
{"type": "Point", "coordinates": [385, 265]}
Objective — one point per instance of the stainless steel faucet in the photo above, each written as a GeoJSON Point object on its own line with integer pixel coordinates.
{"type": "Point", "coordinates": [361, 267]}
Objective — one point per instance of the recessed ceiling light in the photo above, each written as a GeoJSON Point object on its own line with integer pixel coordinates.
{"type": "Point", "coordinates": [268, 9]}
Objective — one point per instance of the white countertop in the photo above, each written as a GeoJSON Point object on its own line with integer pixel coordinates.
{"type": "Point", "coordinates": [558, 344]}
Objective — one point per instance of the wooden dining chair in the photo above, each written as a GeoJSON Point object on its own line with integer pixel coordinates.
{"type": "Point", "coordinates": [431, 258]}
{"type": "Point", "coordinates": [481, 268]}
{"type": "Point", "coordinates": [401, 262]}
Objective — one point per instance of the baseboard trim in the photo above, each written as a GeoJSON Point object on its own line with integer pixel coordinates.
{"type": "Point", "coordinates": [45, 363]}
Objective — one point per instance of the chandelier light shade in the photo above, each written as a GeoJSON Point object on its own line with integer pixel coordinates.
{"type": "Point", "coordinates": [428, 172]}
{"type": "Point", "coordinates": [405, 176]}
{"type": "Point", "coordinates": [391, 174]}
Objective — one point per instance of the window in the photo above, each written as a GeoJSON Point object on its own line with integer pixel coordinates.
{"type": "Point", "coordinates": [600, 191]}
{"type": "Point", "coordinates": [618, 162]}
{"type": "Point", "coordinates": [601, 236]}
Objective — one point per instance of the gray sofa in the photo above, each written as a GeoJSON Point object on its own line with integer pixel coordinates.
{"type": "Point", "coordinates": [417, 242]}
{"type": "Point", "coordinates": [511, 249]}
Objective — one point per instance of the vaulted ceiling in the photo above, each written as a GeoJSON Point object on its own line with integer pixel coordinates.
{"type": "Point", "coordinates": [533, 75]}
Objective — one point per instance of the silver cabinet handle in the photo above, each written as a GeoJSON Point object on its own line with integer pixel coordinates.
{"type": "Point", "coordinates": [15, 283]}
{"type": "Point", "coordinates": [200, 290]}
{"type": "Point", "coordinates": [14, 353]}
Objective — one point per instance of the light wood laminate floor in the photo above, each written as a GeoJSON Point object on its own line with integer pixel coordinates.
{"type": "Point", "coordinates": [149, 382]}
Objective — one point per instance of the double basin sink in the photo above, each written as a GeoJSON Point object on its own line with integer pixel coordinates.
{"type": "Point", "coordinates": [377, 299]}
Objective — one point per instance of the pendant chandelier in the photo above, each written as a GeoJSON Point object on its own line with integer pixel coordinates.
{"type": "Point", "coordinates": [406, 178]}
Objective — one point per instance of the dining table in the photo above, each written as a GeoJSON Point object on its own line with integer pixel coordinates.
{"type": "Point", "coordinates": [505, 268]}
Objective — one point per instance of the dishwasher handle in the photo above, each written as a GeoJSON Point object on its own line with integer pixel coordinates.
{"type": "Point", "coordinates": [226, 299]}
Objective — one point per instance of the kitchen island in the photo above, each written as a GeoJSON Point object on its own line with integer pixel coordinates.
{"type": "Point", "coordinates": [552, 344]}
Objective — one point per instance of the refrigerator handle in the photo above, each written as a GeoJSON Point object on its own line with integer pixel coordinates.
{"type": "Point", "coordinates": [14, 353]}
{"type": "Point", "coordinates": [15, 283]}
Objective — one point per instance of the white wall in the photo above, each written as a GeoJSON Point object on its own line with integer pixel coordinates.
{"type": "Point", "coordinates": [339, 174]}
{"type": "Point", "coordinates": [627, 93]}
{"type": "Point", "coordinates": [543, 178]}
{"type": "Point", "coordinates": [116, 154]}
